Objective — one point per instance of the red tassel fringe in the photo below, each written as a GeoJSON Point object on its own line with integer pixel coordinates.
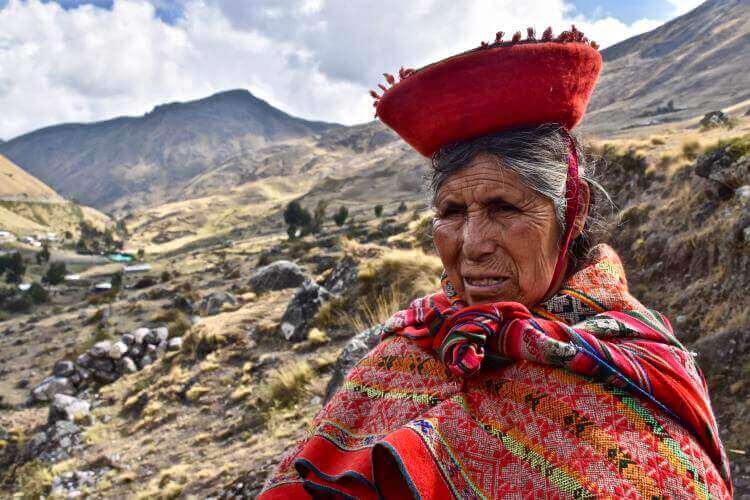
{"type": "Point", "coordinates": [571, 36]}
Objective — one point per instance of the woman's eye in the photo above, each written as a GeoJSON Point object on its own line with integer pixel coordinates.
{"type": "Point", "coordinates": [451, 211]}
{"type": "Point", "coordinates": [503, 208]}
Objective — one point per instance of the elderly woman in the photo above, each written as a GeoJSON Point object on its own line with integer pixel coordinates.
{"type": "Point", "coordinates": [534, 372]}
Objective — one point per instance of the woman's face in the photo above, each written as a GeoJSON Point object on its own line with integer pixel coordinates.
{"type": "Point", "coordinates": [498, 239]}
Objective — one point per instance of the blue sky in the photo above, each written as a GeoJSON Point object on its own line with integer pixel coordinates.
{"type": "Point", "coordinates": [317, 59]}
{"type": "Point", "coordinates": [626, 11]}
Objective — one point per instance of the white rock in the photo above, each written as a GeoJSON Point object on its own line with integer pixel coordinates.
{"type": "Point", "coordinates": [50, 386]}
{"type": "Point", "coordinates": [69, 408]}
{"type": "Point", "coordinates": [743, 192]}
{"type": "Point", "coordinates": [162, 333]}
{"type": "Point", "coordinates": [126, 365]}
{"type": "Point", "coordinates": [175, 344]}
{"type": "Point", "coordinates": [118, 350]}
{"type": "Point", "coordinates": [140, 334]}
{"type": "Point", "coordinates": [101, 349]}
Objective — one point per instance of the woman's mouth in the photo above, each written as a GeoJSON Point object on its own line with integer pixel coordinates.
{"type": "Point", "coordinates": [483, 285]}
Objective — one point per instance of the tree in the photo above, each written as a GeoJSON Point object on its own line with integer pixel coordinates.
{"type": "Point", "coordinates": [141, 254]}
{"type": "Point", "coordinates": [55, 273]}
{"type": "Point", "coordinates": [319, 215]}
{"type": "Point", "coordinates": [402, 207]}
{"type": "Point", "coordinates": [340, 217]}
{"type": "Point", "coordinates": [297, 217]}
{"type": "Point", "coordinates": [37, 294]}
{"type": "Point", "coordinates": [116, 281]}
{"type": "Point", "coordinates": [378, 210]}
{"type": "Point", "coordinates": [13, 266]}
{"type": "Point", "coordinates": [42, 256]}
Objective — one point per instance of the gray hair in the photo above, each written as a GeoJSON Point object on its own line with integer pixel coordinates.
{"type": "Point", "coordinates": [539, 156]}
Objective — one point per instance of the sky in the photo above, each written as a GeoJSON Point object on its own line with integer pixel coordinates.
{"type": "Point", "coordinates": [88, 60]}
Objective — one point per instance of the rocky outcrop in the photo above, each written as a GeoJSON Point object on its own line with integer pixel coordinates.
{"type": "Point", "coordinates": [105, 362]}
{"type": "Point", "coordinates": [69, 408]}
{"type": "Point", "coordinates": [297, 319]}
{"type": "Point", "coordinates": [354, 350]}
{"type": "Point", "coordinates": [216, 302]}
{"type": "Point", "coordinates": [277, 276]}
{"type": "Point", "coordinates": [343, 277]}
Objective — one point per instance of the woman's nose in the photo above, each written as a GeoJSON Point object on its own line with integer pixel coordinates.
{"type": "Point", "coordinates": [478, 243]}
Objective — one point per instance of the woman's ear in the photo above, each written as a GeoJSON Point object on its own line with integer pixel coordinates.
{"type": "Point", "coordinates": [583, 209]}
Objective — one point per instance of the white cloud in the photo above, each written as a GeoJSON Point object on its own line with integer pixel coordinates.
{"type": "Point", "coordinates": [683, 6]}
{"type": "Point", "coordinates": [312, 58]}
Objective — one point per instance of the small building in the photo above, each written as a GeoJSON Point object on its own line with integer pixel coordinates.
{"type": "Point", "coordinates": [103, 286]}
{"type": "Point", "coordinates": [137, 268]}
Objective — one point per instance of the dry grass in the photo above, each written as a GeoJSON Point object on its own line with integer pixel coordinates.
{"type": "Point", "coordinates": [288, 383]}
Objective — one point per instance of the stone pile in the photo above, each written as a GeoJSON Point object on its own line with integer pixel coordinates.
{"type": "Point", "coordinates": [106, 361]}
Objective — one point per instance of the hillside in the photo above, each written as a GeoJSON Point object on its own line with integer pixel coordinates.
{"type": "Point", "coordinates": [143, 159]}
{"type": "Point", "coordinates": [697, 61]}
{"type": "Point", "coordinates": [17, 184]}
{"type": "Point", "coordinates": [30, 207]}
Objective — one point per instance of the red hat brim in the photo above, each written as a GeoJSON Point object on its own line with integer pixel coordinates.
{"type": "Point", "coordinates": [489, 90]}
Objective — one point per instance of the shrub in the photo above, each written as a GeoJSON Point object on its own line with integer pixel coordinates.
{"type": "Point", "coordinates": [378, 210]}
{"type": "Point", "coordinates": [297, 217]}
{"type": "Point", "coordinates": [116, 281]}
{"type": "Point", "coordinates": [691, 150]}
{"type": "Point", "coordinates": [37, 294]}
{"type": "Point", "coordinates": [402, 207]}
{"type": "Point", "coordinates": [13, 266]}
{"type": "Point", "coordinates": [42, 256]}
{"type": "Point", "coordinates": [340, 217]}
{"type": "Point", "coordinates": [658, 141]}
{"type": "Point", "coordinates": [55, 273]}
{"type": "Point", "coordinates": [319, 216]}
{"type": "Point", "coordinates": [165, 276]}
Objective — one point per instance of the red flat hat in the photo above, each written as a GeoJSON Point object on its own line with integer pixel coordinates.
{"type": "Point", "coordinates": [496, 87]}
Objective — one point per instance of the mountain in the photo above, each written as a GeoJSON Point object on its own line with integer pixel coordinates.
{"type": "Point", "coordinates": [699, 61]}
{"type": "Point", "coordinates": [143, 158]}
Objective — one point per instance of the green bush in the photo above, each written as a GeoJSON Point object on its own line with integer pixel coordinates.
{"type": "Point", "coordinates": [55, 273]}
{"type": "Point", "coordinates": [340, 217]}
{"type": "Point", "coordinates": [378, 210]}
{"type": "Point", "coordinates": [37, 294]}
{"type": "Point", "coordinates": [13, 266]}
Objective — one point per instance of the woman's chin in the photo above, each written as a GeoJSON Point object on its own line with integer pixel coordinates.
{"type": "Point", "coordinates": [500, 292]}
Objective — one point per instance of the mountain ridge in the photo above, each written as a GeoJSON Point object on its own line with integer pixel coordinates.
{"type": "Point", "coordinates": [104, 162]}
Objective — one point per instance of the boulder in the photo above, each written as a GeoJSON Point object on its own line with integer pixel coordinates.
{"type": "Point", "coordinates": [162, 333]}
{"type": "Point", "coordinates": [214, 302]}
{"type": "Point", "coordinates": [714, 119]}
{"type": "Point", "coordinates": [69, 408]}
{"type": "Point", "coordinates": [63, 368]}
{"type": "Point", "coordinates": [126, 365]}
{"type": "Point", "coordinates": [139, 335]}
{"type": "Point", "coordinates": [50, 386]}
{"type": "Point", "coordinates": [128, 339]}
{"type": "Point", "coordinates": [84, 360]}
{"type": "Point", "coordinates": [353, 351]}
{"type": "Point", "coordinates": [101, 349]}
{"type": "Point", "coordinates": [343, 277]}
{"type": "Point", "coordinates": [726, 170]}
{"type": "Point", "coordinates": [145, 361]}
{"type": "Point", "coordinates": [118, 350]}
{"type": "Point", "coordinates": [277, 276]}
{"type": "Point", "coordinates": [301, 310]}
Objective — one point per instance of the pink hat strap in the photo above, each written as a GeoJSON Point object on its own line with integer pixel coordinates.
{"type": "Point", "coordinates": [572, 198]}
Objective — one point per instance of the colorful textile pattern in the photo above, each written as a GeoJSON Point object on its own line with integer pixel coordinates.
{"type": "Point", "coordinates": [587, 395]}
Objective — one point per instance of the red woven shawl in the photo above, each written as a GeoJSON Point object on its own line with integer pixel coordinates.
{"type": "Point", "coordinates": [588, 394]}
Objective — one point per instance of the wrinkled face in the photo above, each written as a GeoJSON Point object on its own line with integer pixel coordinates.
{"type": "Point", "coordinates": [497, 238]}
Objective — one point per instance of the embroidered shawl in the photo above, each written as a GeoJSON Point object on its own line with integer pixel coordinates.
{"type": "Point", "coordinates": [588, 394]}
